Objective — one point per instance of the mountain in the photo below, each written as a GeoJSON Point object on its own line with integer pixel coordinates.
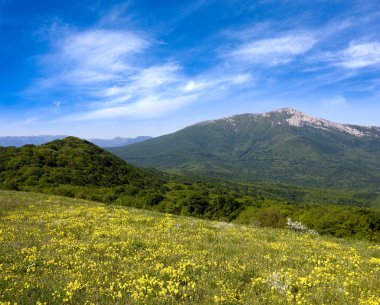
{"type": "Point", "coordinates": [25, 140]}
{"type": "Point", "coordinates": [118, 141]}
{"type": "Point", "coordinates": [284, 145]}
{"type": "Point", "coordinates": [70, 161]}
{"type": "Point", "coordinates": [38, 140]}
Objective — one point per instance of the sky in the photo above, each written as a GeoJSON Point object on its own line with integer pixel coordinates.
{"type": "Point", "coordinates": [106, 68]}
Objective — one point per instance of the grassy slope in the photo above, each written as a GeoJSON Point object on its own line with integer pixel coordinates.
{"type": "Point", "coordinates": [59, 250]}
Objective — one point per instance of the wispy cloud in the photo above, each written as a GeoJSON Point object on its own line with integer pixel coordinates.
{"type": "Point", "coordinates": [157, 76]}
{"type": "Point", "coordinates": [110, 70]}
{"type": "Point", "coordinates": [348, 63]}
{"type": "Point", "coordinates": [94, 56]}
{"type": "Point", "coordinates": [273, 51]}
{"type": "Point", "coordinates": [157, 90]}
{"type": "Point", "coordinates": [359, 55]}
{"type": "Point", "coordinates": [146, 107]}
{"type": "Point", "coordinates": [216, 81]}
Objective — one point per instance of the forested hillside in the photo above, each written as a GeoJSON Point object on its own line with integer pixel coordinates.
{"type": "Point", "coordinates": [71, 162]}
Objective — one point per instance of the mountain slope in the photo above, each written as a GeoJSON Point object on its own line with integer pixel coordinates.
{"type": "Point", "coordinates": [70, 161]}
{"type": "Point", "coordinates": [38, 140]}
{"type": "Point", "coordinates": [284, 146]}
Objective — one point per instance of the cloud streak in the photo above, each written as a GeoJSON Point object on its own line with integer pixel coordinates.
{"type": "Point", "coordinates": [273, 51]}
{"type": "Point", "coordinates": [146, 107]}
{"type": "Point", "coordinates": [360, 55]}
{"type": "Point", "coordinates": [94, 56]}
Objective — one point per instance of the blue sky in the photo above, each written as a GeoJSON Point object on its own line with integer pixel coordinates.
{"type": "Point", "coordinates": [95, 68]}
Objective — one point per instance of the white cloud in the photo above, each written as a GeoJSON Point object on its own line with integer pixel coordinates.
{"type": "Point", "coordinates": [274, 51]}
{"type": "Point", "coordinates": [241, 78]}
{"type": "Point", "coordinates": [355, 57]}
{"type": "Point", "coordinates": [216, 81]}
{"type": "Point", "coordinates": [157, 76]}
{"type": "Point", "coordinates": [194, 86]}
{"type": "Point", "coordinates": [359, 55]}
{"type": "Point", "coordinates": [96, 55]}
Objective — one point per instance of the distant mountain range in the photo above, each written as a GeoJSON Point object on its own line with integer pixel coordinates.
{"type": "Point", "coordinates": [118, 142]}
{"type": "Point", "coordinates": [284, 145]}
{"type": "Point", "coordinates": [38, 140]}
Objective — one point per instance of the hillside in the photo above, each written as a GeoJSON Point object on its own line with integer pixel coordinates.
{"type": "Point", "coordinates": [59, 250]}
{"type": "Point", "coordinates": [70, 161]}
{"type": "Point", "coordinates": [285, 146]}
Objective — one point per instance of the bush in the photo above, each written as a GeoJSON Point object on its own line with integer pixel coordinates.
{"type": "Point", "coordinates": [270, 217]}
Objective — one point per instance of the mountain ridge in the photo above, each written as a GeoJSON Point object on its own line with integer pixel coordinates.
{"type": "Point", "coordinates": [298, 118]}
{"type": "Point", "coordinates": [19, 141]}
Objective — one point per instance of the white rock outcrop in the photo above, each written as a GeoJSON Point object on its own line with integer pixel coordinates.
{"type": "Point", "coordinates": [297, 118]}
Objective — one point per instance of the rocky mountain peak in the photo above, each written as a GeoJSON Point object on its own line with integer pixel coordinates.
{"type": "Point", "coordinates": [294, 117]}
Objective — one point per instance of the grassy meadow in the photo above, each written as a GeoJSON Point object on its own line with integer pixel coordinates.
{"type": "Point", "coordinates": [56, 250]}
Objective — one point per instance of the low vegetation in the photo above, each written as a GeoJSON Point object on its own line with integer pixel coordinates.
{"type": "Point", "coordinates": [56, 250]}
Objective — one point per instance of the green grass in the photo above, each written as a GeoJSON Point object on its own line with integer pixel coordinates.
{"type": "Point", "coordinates": [56, 250]}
